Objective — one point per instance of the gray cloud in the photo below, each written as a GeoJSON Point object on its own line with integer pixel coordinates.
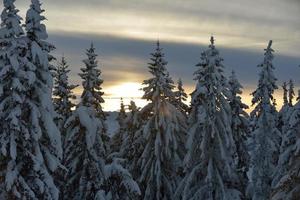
{"type": "Point", "coordinates": [119, 55]}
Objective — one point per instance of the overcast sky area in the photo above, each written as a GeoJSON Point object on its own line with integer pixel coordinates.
{"type": "Point", "coordinates": [124, 33]}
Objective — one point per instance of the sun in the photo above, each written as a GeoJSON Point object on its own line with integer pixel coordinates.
{"type": "Point", "coordinates": [129, 91]}
{"type": "Point", "coordinates": [125, 90]}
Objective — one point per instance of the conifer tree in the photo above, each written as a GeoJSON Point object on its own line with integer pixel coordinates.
{"type": "Point", "coordinates": [265, 135]}
{"type": "Point", "coordinates": [134, 142]}
{"type": "Point", "coordinates": [284, 111]}
{"type": "Point", "coordinates": [291, 92]}
{"type": "Point", "coordinates": [63, 95]}
{"type": "Point", "coordinates": [209, 165]}
{"type": "Point", "coordinates": [286, 183]}
{"type": "Point", "coordinates": [92, 94]}
{"type": "Point", "coordinates": [92, 174]}
{"type": "Point", "coordinates": [240, 130]}
{"type": "Point", "coordinates": [31, 142]}
{"type": "Point", "coordinates": [118, 138]}
{"type": "Point", "coordinates": [285, 93]}
{"type": "Point", "coordinates": [180, 97]}
{"type": "Point", "coordinates": [164, 132]}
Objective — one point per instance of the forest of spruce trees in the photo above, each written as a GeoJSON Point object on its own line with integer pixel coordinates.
{"type": "Point", "coordinates": [211, 149]}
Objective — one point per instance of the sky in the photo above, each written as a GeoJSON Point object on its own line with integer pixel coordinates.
{"type": "Point", "coordinates": [124, 34]}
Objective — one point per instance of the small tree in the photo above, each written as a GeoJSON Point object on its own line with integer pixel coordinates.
{"type": "Point", "coordinates": [180, 97]}
{"type": "Point", "coordinates": [92, 91]}
{"type": "Point", "coordinates": [118, 138]}
{"type": "Point", "coordinates": [63, 94]}
{"type": "Point", "coordinates": [291, 92]}
{"type": "Point", "coordinates": [284, 111]}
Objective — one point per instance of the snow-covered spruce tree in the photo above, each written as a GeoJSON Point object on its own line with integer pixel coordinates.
{"type": "Point", "coordinates": [92, 94]}
{"type": "Point", "coordinates": [286, 183]}
{"type": "Point", "coordinates": [291, 92]}
{"type": "Point", "coordinates": [30, 140]}
{"type": "Point", "coordinates": [209, 164]}
{"type": "Point", "coordinates": [283, 114]}
{"type": "Point", "coordinates": [266, 136]}
{"type": "Point", "coordinates": [91, 175]}
{"type": "Point", "coordinates": [63, 94]}
{"type": "Point", "coordinates": [117, 139]}
{"type": "Point", "coordinates": [133, 143]}
{"type": "Point", "coordinates": [164, 133]}
{"type": "Point", "coordinates": [13, 88]}
{"type": "Point", "coordinates": [180, 97]}
{"type": "Point", "coordinates": [240, 130]}
{"type": "Point", "coordinates": [285, 94]}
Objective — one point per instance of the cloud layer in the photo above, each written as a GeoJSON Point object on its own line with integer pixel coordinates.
{"type": "Point", "coordinates": [124, 33]}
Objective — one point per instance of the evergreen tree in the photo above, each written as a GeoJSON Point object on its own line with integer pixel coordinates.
{"type": "Point", "coordinates": [118, 138]}
{"type": "Point", "coordinates": [92, 94]}
{"type": "Point", "coordinates": [286, 183]}
{"type": "Point", "coordinates": [132, 123]}
{"type": "Point", "coordinates": [164, 132]}
{"type": "Point", "coordinates": [30, 140]}
{"type": "Point", "coordinates": [291, 92]}
{"type": "Point", "coordinates": [134, 142]}
{"type": "Point", "coordinates": [63, 94]}
{"type": "Point", "coordinates": [240, 130]}
{"type": "Point", "coordinates": [92, 174]}
{"type": "Point", "coordinates": [265, 135]}
{"type": "Point", "coordinates": [209, 165]}
{"type": "Point", "coordinates": [180, 97]}
{"type": "Point", "coordinates": [285, 93]}
{"type": "Point", "coordinates": [284, 111]}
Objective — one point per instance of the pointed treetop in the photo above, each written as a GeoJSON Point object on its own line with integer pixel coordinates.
{"type": "Point", "coordinates": [269, 48]}
{"type": "Point", "coordinates": [36, 5]}
{"type": "Point", "coordinates": [10, 20]}
{"type": "Point", "coordinates": [284, 87]}
{"type": "Point", "coordinates": [291, 92]}
{"type": "Point", "coordinates": [122, 106]}
{"type": "Point", "coordinates": [270, 44]}
{"type": "Point", "coordinates": [158, 48]}
{"type": "Point", "coordinates": [212, 40]}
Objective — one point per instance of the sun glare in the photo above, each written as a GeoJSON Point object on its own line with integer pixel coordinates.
{"type": "Point", "coordinates": [125, 90]}
{"type": "Point", "coordinates": [128, 91]}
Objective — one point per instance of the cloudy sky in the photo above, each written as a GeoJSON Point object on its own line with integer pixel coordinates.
{"type": "Point", "coordinates": [124, 33]}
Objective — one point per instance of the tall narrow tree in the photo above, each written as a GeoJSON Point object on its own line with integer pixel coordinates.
{"type": "Point", "coordinates": [63, 95]}
{"type": "Point", "coordinates": [164, 133]}
{"type": "Point", "coordinates": [291, 92]}
{"type": "Point", "coordinates": [117, 139]}
{"type": "Point", "coordinates": [91, 175]}
{"type": "Point", "coordinates": [240, 130]}
{"type": "Point", "coordinates": [209, 165]}
{"type": "Point", "coordinates": [180, 97]}
{"type": "Point", "coordinates": [266, 136]}
{"type": "Point", "coordinates": [284, 111]}
{"type": "Point", "coordinates": [31, 136]}
{"type": "Point", "coordinates": [14, 87]}
{"type": "Point", "coordinates": [286, 183]}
